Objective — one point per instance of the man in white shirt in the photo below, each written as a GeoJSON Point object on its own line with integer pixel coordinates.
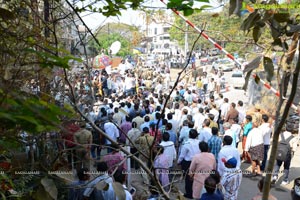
{"type": "Point", "coordinates": [226, 151]}
{"type": "Point", "coordinates": [113, 132]}
{"type": "Point", "coordinates": [228, 131]}
{"type": "Point", "coordinates": [169, 148]}
{"type": "Point", "coordinates": [265, 127]}
{"type": "Point", "coordinates": [224, 109]}
{"type": "Point", "coordinates": [188, 150]}
{"type": "Point", "coordinates": [173, 122]}
{"type": "Point", "coordinates": [199, 119]}
{"type": "Point", "coordinates": [122, 67]}
{"type": "Point", "coordinates": [205, 133]}
{"type": "Point", "coordinates": [214, 111]}
{"type": "Point", "coordinates": [184, 132]}
{"type": "Point", "coordinates": [129, 85]}
{"type": "Point", "coordinates": [236, 128]}
{"type": "Point", "coordinates": [242, 111]}
{"type": "Point", "coordinates": [133, 134]}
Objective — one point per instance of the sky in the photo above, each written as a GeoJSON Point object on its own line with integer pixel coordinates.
{"type": "Point", "coordinates": [130, 17]}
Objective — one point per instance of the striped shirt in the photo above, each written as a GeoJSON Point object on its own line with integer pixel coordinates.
{"type": "Point", "coordinates": [231, 181]}
{"type": "Point", "coordinates": [215, 144]}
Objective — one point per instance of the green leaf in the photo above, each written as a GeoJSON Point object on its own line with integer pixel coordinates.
{"type": "Point", "coordinates": [253, 64]}
{"type": "Point", "coordinates": [27, 118]}
{"type": "Point", "coordinates": [282, 17]}
{"type": "Point", "coordinates": [256, 33]}
{"type": "Point", "coordinates": [269, 68]}
{"type": "Point", "coordinates": [276, 29]}
{"type": "Point", "coordinates": [261, 23]}
{"type": "Point", "coordinates": [4, 115]}
{"type": "Point", "coordinates": [188, 11]}
{"type": "Point", "coordinates": [6, 14]}
{"type": "Point", "coordinates": [204, 7]}
{"type": "Point", "coordinates": [250, 21]}
{"type": "Point", "coordinates": [204, 1]}
{"type": "Point", "coordinates": [290, 28]}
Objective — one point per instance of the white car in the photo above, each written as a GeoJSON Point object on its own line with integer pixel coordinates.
{"type": "Point", "coordinates": [237, 79]}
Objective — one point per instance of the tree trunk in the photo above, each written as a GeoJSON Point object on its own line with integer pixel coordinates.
{"type": "Point", "coordinates": [278, 126]}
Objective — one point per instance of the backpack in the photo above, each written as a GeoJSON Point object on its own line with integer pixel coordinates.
{"type": "Point", "coordinates": [284, 148]}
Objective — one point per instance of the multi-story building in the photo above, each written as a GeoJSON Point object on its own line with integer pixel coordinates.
{"type": "Point", "coordinates": [158, 38]}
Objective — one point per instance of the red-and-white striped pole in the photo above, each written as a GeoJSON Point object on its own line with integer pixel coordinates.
{"type": "Point", "coordinates": [205, 35]}
{"type": "Point", "coordinates": [268, 86]}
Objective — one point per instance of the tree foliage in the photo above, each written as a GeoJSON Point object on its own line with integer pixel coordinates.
{"type": "Point", "coordinates": [127, 35]}
{"type": "Point", "coordinates": [221, 28]}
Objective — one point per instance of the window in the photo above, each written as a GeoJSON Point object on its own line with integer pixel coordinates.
{"type": "Point", "coordinates": [166, 29]}
{"type": "Point", "coordinates": [155, 31]}
{"type": "Point", "coordinates": [237, 75]}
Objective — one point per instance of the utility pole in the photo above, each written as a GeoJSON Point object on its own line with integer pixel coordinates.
{"type": "Point", "coordinates": [186, 44]}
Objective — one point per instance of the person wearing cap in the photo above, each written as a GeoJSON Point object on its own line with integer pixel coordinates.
{"type": "Point", "coordinates": [231, 178]}
{"type": "Point", "coordinates": [226, 151]}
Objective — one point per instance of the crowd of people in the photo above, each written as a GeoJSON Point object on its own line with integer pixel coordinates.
{"type": "Point", "coordinates": [193, 127]}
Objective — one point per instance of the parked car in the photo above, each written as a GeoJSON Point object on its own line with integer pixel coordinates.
{"type": "Point", "coordinates": [237, 79]}
{"type": "Point", "coordinates": [226, 65]}
{"type": "Point", "coordinates": [214, 52]}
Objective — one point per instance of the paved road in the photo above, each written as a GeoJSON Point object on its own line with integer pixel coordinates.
{"type": "Point", "coordinates": [249, 185]}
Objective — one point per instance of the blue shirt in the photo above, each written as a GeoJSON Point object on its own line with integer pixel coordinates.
{"type": "Point", "coordinates": [213, 196]}
{"type": "Point", "coordinates": [76, 190]}
{"type": "Point", "coordinates": [215, 145]}
{"type": "Point", "coordinates": [173, 136]}
{"type": "Point", "coordinates": [247, 128]}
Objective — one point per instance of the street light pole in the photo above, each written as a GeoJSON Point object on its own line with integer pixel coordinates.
{"type": "Point", "coordinates": [186, 45]}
